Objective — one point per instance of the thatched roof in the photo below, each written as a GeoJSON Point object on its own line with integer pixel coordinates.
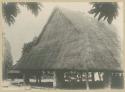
{"type": "Point", "coordinates": [73, 40]}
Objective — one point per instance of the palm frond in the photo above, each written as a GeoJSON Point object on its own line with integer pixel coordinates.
{"type": "Point", "coordinates": [34, 7]}
{"type": "Point", "coordinates": [10, 11]}
{"type": "Point", "coordinates": [106, 10]}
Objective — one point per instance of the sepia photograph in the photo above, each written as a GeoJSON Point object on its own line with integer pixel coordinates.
{"type": "Point", "coordinates": [62, 45]}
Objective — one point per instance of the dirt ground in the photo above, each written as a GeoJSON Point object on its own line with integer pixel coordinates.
{"type": "Point", "coordinates": [7, 86]}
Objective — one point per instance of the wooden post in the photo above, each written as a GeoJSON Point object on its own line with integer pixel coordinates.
{"type": "Point", "coordinates": [93, 77]}
{"type": "Point", "coordinates": [39, 77]}
{"type": "Point", "coordinates": [122, 80]}
{"type": "Point", "coordinates": [59, 79]}
{"type": "Point", "coordinates": [87, 82]}
{"type": "Point", "coordinates": [107, 79]}
{"type": "Point", "coordinates": [54, 83]}
{"type": "Point", "coordinates": [99, 74]}
{"type": "Point", "coordinates": [80, 76]}
{"type": "Point", "coordinates": [36, 78]}
{"type": "Point", "coordinates": [26, 78]}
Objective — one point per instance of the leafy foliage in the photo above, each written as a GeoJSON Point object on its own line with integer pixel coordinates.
{"type": "Point", "coordinates": [105, 10]}
{"type": "Point", "coordinates": [34, 7]}
{"type": "Point", "coordinates": [10, 10]}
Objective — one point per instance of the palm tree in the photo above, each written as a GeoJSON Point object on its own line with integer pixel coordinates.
{"type": "Point", "coordinates": [10, 10]}
{"type": "Point", "coordinates": [8, 59]}
{"type": "Point", "coordinates": [106, 10]}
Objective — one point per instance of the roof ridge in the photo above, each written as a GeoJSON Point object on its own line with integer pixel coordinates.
{"type": "Point", "coordinates": [69, 20]}
{"type": "Point", "coordinates": [56, 9]}
{"type": "Point", "coordinates": [49, 19]}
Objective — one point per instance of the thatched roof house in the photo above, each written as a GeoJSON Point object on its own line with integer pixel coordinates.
{"type": "Point", "coordinates": [74, 41]}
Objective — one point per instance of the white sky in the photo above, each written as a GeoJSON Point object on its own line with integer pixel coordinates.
{"type": "Point", "coordinates": [27, 26]}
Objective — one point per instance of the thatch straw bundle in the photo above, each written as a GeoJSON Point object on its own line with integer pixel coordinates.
{"type": "Point", "coordinates": [74, 41]}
